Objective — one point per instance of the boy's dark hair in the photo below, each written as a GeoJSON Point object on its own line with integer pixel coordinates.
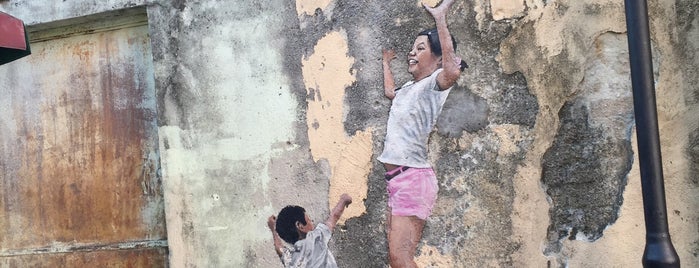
{"type": "Point", "coordinates": [436, 46]}
{"type": "Point", "coordinates": [286, 223]}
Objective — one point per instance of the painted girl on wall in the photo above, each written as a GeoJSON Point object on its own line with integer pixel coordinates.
{"type": "Point", "coordinates": [411, 181]}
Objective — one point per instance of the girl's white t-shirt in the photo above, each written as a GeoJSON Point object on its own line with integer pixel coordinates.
{"type": "Point", "coordinates": [413, 114]}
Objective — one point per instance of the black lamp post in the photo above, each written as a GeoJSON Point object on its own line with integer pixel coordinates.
{"type": "Point", "coordinates": [659, 251]}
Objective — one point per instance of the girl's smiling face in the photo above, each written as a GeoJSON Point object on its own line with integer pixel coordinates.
{"type": "Point", "coordinates": [421, 61]}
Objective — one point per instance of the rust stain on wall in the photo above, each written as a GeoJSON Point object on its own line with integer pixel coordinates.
{"type": "Point", "coordinates": [326, 74]}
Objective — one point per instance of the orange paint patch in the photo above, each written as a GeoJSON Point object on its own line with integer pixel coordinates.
{"type": "Point", "coordinates": [326, 74]}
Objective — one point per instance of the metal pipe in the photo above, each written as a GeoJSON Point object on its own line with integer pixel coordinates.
{"type": "Point", "coordinates": [659, 251]}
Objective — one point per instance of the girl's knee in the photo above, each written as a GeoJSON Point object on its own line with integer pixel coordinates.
{"type": "Point", "coordinates": [399, 258]}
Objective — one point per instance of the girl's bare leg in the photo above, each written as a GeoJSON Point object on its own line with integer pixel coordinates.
{"type": "Point", "coordinates": [404, 234]}
{"type": "Point", "coordinates": [388, 221]}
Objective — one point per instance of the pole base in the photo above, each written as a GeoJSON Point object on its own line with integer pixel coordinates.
{"type": "Point", "coordinates": [660, 253]}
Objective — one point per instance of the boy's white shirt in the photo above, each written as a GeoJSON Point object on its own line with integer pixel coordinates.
{"type": "Point", "coordinates": [311, 251]}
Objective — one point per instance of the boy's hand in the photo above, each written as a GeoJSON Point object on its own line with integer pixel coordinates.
{"type": "Point", "coordinates": [336, 212]}
{"type": "Point", "coordinates": [272, 222]}
{"type": "Point", "coordinates": [345, 199]}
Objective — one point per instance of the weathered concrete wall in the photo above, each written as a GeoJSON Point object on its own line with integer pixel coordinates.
{"type": "Point", "coordinates": [267, 103]}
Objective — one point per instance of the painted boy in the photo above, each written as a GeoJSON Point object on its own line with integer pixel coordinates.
{"type": "Point", "coordinates": [309, 243]}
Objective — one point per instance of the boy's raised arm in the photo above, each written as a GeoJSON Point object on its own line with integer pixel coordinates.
{"type": "Point", "coordinates": [335, 214]}
{"type": "Point", "coordinates": [271, 223]}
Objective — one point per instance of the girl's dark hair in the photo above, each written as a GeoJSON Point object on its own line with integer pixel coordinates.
{"type": "Point", "coordinates": [286, 223]}
{"type": "Point", "coordinates": [436, 46]}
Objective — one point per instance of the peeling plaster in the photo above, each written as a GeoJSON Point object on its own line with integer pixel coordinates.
{"type": "Point", "coordinates": [430, 257]}
{"type": "Point", "coordinates": [507, 9]}
{"type": "Point", "coordinates": [326, 74]}
{"type": "Point", "coordinates": [593, 141]}
{"type": "Point", "coordinates": [309, 7]}
{"type": "Point", "coordinates": [481, 8]}
{"type": "Point", "coordinates": [566, 48]}
{"type": "Point", "coordinates": [431, 3]}
{"type": "Point", "coordinates": [551, 85]}
{"type": "Point", "coordinates": [529, 214]}
{"type": "Point", "coordinates": [622, 243]}
{"type": "Point", "coordinates": [509, 136]}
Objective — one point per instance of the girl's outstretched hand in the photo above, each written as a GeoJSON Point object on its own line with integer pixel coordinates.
{"type": "Point", "coordinates": [388, 55]}
{"type": "Point", "coordinates": [440, 10]}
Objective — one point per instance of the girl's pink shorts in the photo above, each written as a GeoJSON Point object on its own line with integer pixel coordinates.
{"type": "Point", "coordinates": [412, 192]}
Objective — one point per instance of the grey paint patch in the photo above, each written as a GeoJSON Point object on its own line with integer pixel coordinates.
{"type": "Point", "coordinates": [585, 168]}
{"type": "Point", "coordinates": [584, 177]}
{"type": "Point", "coordinates": [514, 104]}
{"type": "Point", "coordinates": [462, 111]}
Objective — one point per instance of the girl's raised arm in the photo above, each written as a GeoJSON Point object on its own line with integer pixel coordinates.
{"type": "Point", "coordinates": [389, 85]}
{"type": "Point", "coordinates": [450, 62]}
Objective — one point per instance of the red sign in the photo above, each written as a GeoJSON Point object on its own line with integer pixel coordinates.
{"type": "Point", "coordinates": [12, 33]}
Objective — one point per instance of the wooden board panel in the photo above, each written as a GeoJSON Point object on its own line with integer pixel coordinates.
{"type": "Point", "coordinates": [79, 162]}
